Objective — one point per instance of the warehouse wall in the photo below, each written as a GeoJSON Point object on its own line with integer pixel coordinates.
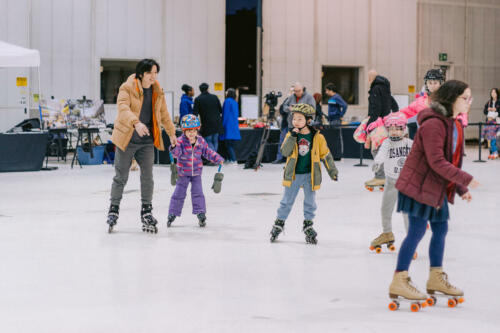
{"type": "Point", "coordinates": [186, 37]}
{"type": "Point", "coordinates": [302, 36]}
{"type": "Point", "coordinates": [467, 30]}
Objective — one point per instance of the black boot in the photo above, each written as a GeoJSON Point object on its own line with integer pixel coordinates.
{"type": "Point", "coordinates": [310, 232]}
{"type": "Point", "coordinates": [147, 219]}
{"type": "Point", "coordinates": [171, 218]}
{"type": "Point", "coordinates": [202, 220]}
{"type": "Point", "coordinates": [278, 227]}
{"type": "Point", "coordinates": [112, 217]}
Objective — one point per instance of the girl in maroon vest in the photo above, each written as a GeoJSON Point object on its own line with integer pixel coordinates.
{"type": "Point", "coordinates": [428, 182]}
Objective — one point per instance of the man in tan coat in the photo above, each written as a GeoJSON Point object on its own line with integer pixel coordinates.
{"type": "Point", "coordinates": [142, 111]}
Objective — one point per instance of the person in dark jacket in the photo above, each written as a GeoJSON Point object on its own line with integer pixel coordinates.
{"type": "Point", "coordinates": [428, 182]}
{"type": "Point", "coordinates": [493, 103]}
{"type": "Point", "coordinates": [209, 109]}
{"type": "Point", "coordinates": [283, 128]}
{"type": "Point", "coordinates": [337, 107]}
{"type": "Point", "coordinates": [186, 106]}
{"type": "Point", "coordinates": [380, 104]}
{"type": "Point", "coordinates": [231, 133]}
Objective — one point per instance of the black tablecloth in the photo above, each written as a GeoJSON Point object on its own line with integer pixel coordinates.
{"type": "Point", "coordinates": [250, 141]}
{"type": "Point", "coordinates": [22, 151]}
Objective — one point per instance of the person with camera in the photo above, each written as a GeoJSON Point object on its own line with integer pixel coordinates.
{"type": "Point", "coordinates": [283, 129]}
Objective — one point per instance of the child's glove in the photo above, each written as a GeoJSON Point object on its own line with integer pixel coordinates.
{"type": "Point", "coordinates": [219, 176]}
{"type": "Point", "coordinates": [333, 173]}
{"type": "Point", "coordinates": [174, 174]}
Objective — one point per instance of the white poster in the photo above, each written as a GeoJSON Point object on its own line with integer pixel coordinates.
{"type": "Point", "coordinates": [250, 106]}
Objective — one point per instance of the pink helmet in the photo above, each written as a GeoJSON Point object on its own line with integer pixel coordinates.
{"type": "Point", "coordinates": [395, 119]}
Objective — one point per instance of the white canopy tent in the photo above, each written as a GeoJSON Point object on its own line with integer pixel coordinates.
{"type": "Point", "coordinates": [17, 56]}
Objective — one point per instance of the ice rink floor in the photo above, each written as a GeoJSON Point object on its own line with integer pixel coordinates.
{"type": "Point", "coordinates": [60, 271]}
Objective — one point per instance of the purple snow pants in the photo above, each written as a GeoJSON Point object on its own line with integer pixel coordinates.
{"type": "Point", "coordinates": [197, 197]}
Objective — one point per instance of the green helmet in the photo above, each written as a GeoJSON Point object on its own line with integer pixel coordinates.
{"type": "Point", "coordinates": [307, 110]}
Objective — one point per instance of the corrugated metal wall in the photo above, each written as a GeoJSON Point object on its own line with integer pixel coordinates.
{"type": "Point", "coordinates": [467, 30]}
{"type": "Point", "coordinates": [186, 37]}
{"type": "Point", "coordinates": [302, 36]}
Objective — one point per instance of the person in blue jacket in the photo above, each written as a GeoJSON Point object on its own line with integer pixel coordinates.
{"type": "Point", "coordinates": [186, 106]}
{"type": "Point", "coordinates": [230, 123]}
{"type": "Point", "coordinates": [337, 108]}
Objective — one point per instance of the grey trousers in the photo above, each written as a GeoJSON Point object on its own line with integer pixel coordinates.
{"type": "Point", "coordinates": [388, 203]}
{"type": "Point", "coordinates": [379, 174]}
{"type": "Point", "coordinates": [144, 155]}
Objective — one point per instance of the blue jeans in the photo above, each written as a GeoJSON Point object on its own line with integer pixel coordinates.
{"type": "Point", "coordinates": [286, 204]}
{"type": "Point", "coordinates": [493, 146]}
{"type": "Point", "coordinates": [283, 133]}
{"type": "Point", "coordinates": [416, 231]}
{"type": "Point", "coordinates": [230, 150]}
{"type": "Point", "coordinates": [213, 141]}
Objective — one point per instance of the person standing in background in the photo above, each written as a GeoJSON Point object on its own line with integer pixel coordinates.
{"type": "Point", "coordinates": [186, 106]}
{"type": "Point", "coordinates": [207, 106]}
{"type": "Point", "coordinates": [337, 108]}
{"type": "Point", "coordinates": [283, 129]}
{"type": "Point", "coordinates": [230, 123]}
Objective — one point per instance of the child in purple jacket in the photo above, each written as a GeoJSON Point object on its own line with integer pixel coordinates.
{"type": "Point", "coordinates": [189, 150]}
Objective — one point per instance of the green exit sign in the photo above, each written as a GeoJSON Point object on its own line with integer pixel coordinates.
{"type": "Point", "coordinates": [443, 56]}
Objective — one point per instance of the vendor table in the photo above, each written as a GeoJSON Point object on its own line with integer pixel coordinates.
{"type": "Point", "coordinates": [250, 140]}
{"type": "Point", "coordinates": [22, 151]}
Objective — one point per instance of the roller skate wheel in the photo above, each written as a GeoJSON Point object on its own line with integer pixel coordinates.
{"type": "Point", "coordinates": [424, 304]}
{"type": "Point", "coordinates": [110, 229]}
{"type": "Point", "coordinates": [378, 250]}
{"type": "Point", "coordinates": [372, 248]}
{"type": "Point", "coordinates": [452, 303]}
{"type": "Point", "coordinates": [392, 247]}
{"type": "Point", "coordinates": [393, 306]}
{"type": "Point", "coordinates": [461, 300]}
{"type": "Point", "coordinates": [415, 307]}
{"type": "Point", "coordinates": [369, 188]}
{"type": "Point", "coordinates": [381, 189]}
{"type": "Point", "coordinates": [273, 239]}
{"type": "Point", "coordinates": [431, 301]}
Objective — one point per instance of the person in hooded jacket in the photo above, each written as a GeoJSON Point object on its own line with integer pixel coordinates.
{"type": "Point", "coordinates": [429, 180]}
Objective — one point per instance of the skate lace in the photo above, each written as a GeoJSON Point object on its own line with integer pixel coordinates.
{"type": "Point", "coordinates": [411, 286]}
{"type": "Point", "coordinates": [444, 278]}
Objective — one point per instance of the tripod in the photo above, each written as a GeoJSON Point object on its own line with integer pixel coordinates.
{"type": "Point", "coordinates": [264, 138]}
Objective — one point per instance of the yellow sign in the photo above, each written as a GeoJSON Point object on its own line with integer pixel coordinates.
{"type": "Point", "coordinates": [411, 89]}
{"type": "Point", "coordinates": [218, 86]}
{"type": "Point", "coordinates": [35, 98]}
{"type": "Point", "coordinates": [22, 81]}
